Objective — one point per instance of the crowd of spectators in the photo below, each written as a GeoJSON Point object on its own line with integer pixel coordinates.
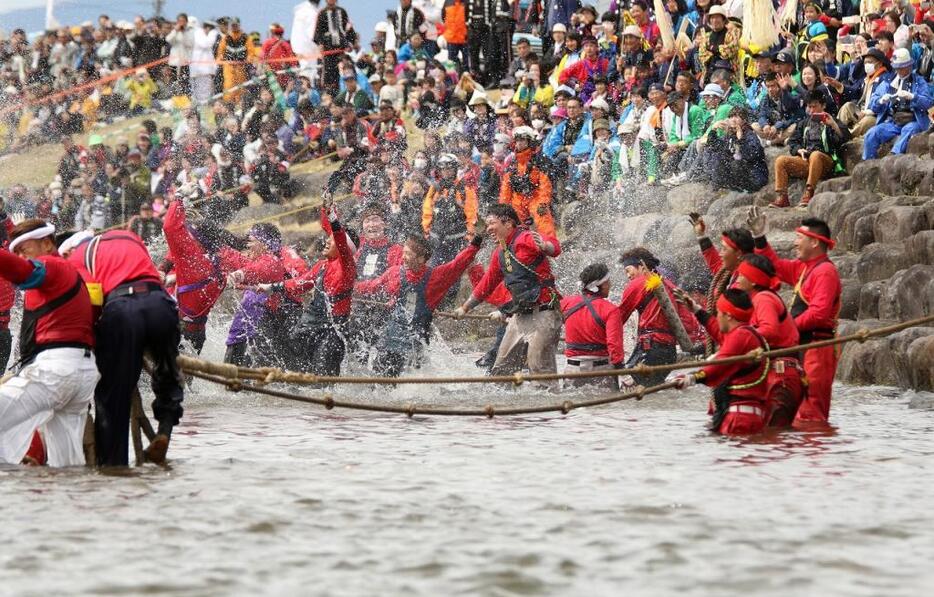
{"type": "Point", "coordinates": [603, 102]}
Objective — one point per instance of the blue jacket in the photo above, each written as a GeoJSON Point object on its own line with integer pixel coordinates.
{"type": "Point", "coordinates": [582, 144]}
{"type": "Point", "coordinates": [919, 103]}
{"type": "Point", "coordinates": [853, 93]}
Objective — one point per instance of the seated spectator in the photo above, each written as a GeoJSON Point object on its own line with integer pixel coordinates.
{"type": "Point", "coordinates": [733, 157]}
{"type": "Point", "coordinates": [778, 111]}
{"type": "Point", "coordinates": [815, 149]}
{"type": "Point", "coordinates": [856, 113]}
{"type": "Point", "coordinates": [813, 78]}
{"type": "Point", "coordinates": [354, 97]}
{"type": "Point", "coordinates": [901, 105]}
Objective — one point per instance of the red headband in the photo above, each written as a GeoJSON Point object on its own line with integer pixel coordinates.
{"type": "Point", "coordinates": [729, 242]}
{"type": "Point", "coordinates": [754, 274]}
{"type": "Point", "coordinates": [806, 232]}
{"type": "Point", "coordinates": [725, 306]}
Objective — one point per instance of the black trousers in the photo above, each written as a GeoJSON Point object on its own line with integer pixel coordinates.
{"type": "Point", "coordinates": [196, 334]}
{"type": "Point", "coordinates": [389, 364]}
{"type": "Point", "coordinates": [330, 75]}
{"type": "Point", "coordinates": [651, 353]}
{"type": "Point", "coordinates": [129, 327]}
{"type": "Point", "coordinates": [322, 350]}
{"type": "Point", "coordinates": [6, 345]}
{"type": "Point", "coordinates": [479, 38]}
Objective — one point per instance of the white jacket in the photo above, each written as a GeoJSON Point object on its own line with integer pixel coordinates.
{"type": "Point", "coordinates": [202, 53]}
{"type": "Point", "coordinates": [181, 44]}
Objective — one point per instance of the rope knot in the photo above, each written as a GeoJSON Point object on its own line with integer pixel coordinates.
{"type": "Point", "coordinates": [490, 411]}
{"type": "Point", "coordinates": [272, 375]}
{"type": "Point", "coordinates": [329, 402]}
{"type": "Point", "coordinates": [410, 410]}
{"type": "Point", "coordinates": [862, 335]}
{"type": "Point", "coordinates": [235, 386]}
{"type": "Point", "coordinates": [566, 407]}
{"type": "Point", "coordinates": [518, 380]}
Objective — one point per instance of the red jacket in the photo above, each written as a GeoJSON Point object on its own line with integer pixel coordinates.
{"type": "Point", "coordinates": [767, 318]}
{"type": "Point", "coordinates": [338, 277]}
{"type": "Point", "coordinates": [70, 323]}
{"type": "Point", "coordinates": [817, 283]}
{"type": "Point", "coordinates": [712, 256]}
{"type": "Point", "coordinates": [581, 328]}
{"type": "Point", "coordinates": [279, 54]}
{"type": "Point", "coordinates": [114, 258]}
{"type": "Point", "coordinates": [652, 323]}
{"type": "Point", "coordinates": [499, 297]}
{"type": "Point", "coordinates": [371, 248]}
{"type": "Point", "coordinates": [739, 341]}
{"type": "Point", "coordinates": [442, 278]}
{"type": "Point", "coordinates": [583, 70]}
{"type": "Point", "coordinates": [293, 263]}
{"type": "Point", "coordinates": [527, 252]}
{"type": "Point", "coordinates": [199, 279]}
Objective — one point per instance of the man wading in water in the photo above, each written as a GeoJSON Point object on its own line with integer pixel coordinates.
{"type": "Point", "coordinates": [521, 261]}
{"type": "Point", "coordinates": [57, 371]}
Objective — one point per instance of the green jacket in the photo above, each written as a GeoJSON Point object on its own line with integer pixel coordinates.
{"type": "Point", "coordinates": [697, 124]}
{"type": "Point", "coordinates": [735, 97]}
{"type": "Point", "coordinates": [722, 113]}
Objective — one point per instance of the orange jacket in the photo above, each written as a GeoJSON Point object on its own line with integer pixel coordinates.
{"type": "Point", "coordinates": [464, 196]}
{"type": "Point", "coordinates": [525, 204]}
{"type": "Point", "coordinates": [454, 17]}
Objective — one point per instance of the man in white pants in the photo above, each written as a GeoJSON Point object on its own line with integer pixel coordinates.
{"type": "Point", "coordinates": [54, 385]}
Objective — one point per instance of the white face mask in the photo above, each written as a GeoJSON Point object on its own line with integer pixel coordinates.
{"type": "Point", "coordinates": [869, 67]}
{"type": "Point", "coordinates": [421, 163]}
{"type": "Point", "coordinates": [538, 123]}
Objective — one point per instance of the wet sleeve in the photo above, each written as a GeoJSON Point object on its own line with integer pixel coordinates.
{"type": "Point", "coordinates": [710, 254]}
{"type": "Point", "coordinates": [787, 270]}
{"type": "Point", "coordinates": [25, 273]}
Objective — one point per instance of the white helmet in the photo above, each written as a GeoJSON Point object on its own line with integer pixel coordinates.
{"type": "Point", "coordinates": [448, 160]}
{"type": "Point", "coordinates": [525, 132]}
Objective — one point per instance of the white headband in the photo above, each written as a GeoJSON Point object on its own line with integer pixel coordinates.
{"type": "Point", "coordinates": [595, 286]}
{"type": "Point", "coordinates": [73, 241]}
{"type": "Point", "coordinates": [43, 232]}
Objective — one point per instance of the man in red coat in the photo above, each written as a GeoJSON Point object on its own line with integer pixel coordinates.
{"type": "Point", "coordinates": [54, 385]}
{"type": "Point", "coordinates": [815, 307]}
{"type": "Point", "coordinates": [415, 290]}
{"type": "Point", "coordinates": [277, 54]}
{"type": "Point", "coordinates": [734, 244]}
{"type": "Point", "coordinates": [521, 262]}
{"type": "Point", "coordinates": [756, 277]}
{"type": "Point", "coordinates": [199, 276]}
{"type": "Point", "coordinates": [319, 336]}
{"type": "Point", "coordinates": [740, 397]}
{"type": "Point", "coordinates": [376, 254]}
{"type": "Point", "coordinates": [593, 331]}
{"type": "Point", "coordinates": [138, 316]}
{"type": "Point", "coordinates": [655, 342]}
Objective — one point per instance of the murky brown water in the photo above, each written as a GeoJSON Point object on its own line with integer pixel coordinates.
{"type": "Point", "coordinates": [267, 497]}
